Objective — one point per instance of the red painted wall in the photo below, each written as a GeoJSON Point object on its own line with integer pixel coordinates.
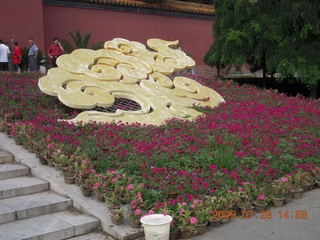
{"type": "Point", "coordinates": [21, 19]}
{"type": "Point", "coordinates": [194, 34]}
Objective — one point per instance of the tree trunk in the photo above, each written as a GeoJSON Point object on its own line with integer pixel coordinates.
{"type": "Point", "coordinates": [314, 91]}
{"type": "Point", "coordinates": [218, 72]}
{"type": "Point", "coordinates": [264, 74]}
{"type": "Point", "coordinates": [264, 65]}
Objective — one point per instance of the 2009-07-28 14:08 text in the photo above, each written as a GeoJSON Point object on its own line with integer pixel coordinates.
{"type": "Point", "coordinates": [295, 214]}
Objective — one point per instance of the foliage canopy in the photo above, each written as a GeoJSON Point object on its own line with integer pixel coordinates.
{"type": "Point", "coordinates": [277, 36]}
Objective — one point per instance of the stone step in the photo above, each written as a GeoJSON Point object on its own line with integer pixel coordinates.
{"type": "Point", "coordinates": [92, 236]}
{"type": "Point", "coordinates": [5, 157]}
{"type": "Point", "coordinates": [12, 171]}
{"type": "Point", "coordinates": [56, 226]}
{"type": "Point", "coordinates": [7, 214]}
{"type": "Point", "coordinates": [27, 206]}
{"type": "Point", "coordinates": [14, 187]}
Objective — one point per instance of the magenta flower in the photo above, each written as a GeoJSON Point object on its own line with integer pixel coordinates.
{"type": "Point", "coordinates": [261, 197]}
{"type": "Point", "coordinates": [137, 212]}
{"type": "Point", "coordinates": [284, 179]}
{"type": "Point", "coordinates": [193, 220]}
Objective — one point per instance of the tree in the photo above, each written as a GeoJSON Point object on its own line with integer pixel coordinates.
{"type": "Point", "coordinates": [277, 36]}
{"type": "Point", "coordinates": [79, 42]}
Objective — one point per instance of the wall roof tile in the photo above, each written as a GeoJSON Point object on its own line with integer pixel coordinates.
{"type": "Point", "coordinates": [170, 5]}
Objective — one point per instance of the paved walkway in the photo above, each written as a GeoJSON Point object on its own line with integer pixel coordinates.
{"type": "Point", "coordinates": [275, 228]}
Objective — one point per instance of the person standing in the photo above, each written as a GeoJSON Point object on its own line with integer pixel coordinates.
{"type": "Point", "coordinates": [55, 50]}
{"type": "Point", "coordinates": [33, 56]}
{"type": "Point", "coordinates": [17, 57]}
{"type": "Point", "coordinates": [4, 52]}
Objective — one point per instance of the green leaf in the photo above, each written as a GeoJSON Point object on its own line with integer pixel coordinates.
{"type": "Point", "coordinates": [98, 45]}
{"type": "Point", "coordinates": [68, 48]}
{"type": "Point", "coordinates": [78, 39]}
{"type": "Point", "coordinates": [86, 40]}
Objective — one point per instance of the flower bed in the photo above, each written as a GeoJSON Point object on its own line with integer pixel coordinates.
{"type": "Point", "coordinates": [236, 153]}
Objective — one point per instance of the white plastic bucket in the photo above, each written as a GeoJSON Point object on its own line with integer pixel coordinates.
{"type": "Point", "coordinates": [156, 226]}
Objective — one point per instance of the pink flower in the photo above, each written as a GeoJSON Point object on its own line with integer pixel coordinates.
{"type": "Point", "coordinates": [261, 197]}
{"type": "Point", "coordinates": [130, 187]}
{"type": "Point", "coordinates": [50, 145]}
{"type": "Point", "coordinates": [137, 212]}
{"type": "Point", "coordinates": [193, 220]}
{"type": "Point", "coordinates": [193, 206]}
{"type": "Point", "coordinates": [184, 204]}
{"type": "Point", "coordinates": [181, 211]}
{"type": "Point", "coordinates": [213, 166]}
{"type": "Point", "coordinates": [284, 179]}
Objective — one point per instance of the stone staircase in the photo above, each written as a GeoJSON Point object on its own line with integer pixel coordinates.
{"type": "Point", "coordinates": [29, 210]}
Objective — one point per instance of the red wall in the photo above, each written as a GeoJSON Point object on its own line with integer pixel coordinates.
{"type": "Point", "coordinates": [194, 34]}
{"type": "Point", "coordinates": [21, 19]}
